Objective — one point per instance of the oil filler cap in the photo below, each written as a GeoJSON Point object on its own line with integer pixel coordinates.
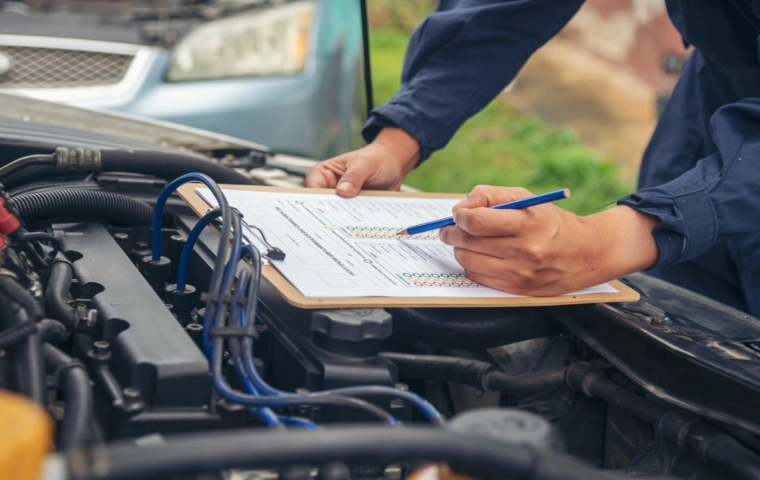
{"type": "Point", "coordinates": [509, 425]}
{"type": "Point", "coordinates": [352, 325]}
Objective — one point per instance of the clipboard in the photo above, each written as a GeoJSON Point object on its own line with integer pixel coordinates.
{"type": "Point", "coordinates": [294, 297]}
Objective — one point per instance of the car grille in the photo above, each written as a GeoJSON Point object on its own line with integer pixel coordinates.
{"type": "Point", "coordinates": [33, 67]}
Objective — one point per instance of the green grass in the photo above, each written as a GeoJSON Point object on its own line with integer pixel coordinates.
{"type": "Point", "coordinates": [500, 146]}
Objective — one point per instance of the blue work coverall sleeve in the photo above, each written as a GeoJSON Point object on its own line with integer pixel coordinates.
{"type": "Point", "coordinates": [718, 199]}
{"type": "Point", "coordinates": [460, 58]}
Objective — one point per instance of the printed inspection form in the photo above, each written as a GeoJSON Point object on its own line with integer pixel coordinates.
{"type": "Point", "coordinates": [338, 247]}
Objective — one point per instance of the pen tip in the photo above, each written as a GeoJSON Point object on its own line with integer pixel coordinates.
{"type": "Point", "coordinates": [402, 232]}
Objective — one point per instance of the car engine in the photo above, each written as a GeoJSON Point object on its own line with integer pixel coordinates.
{"type": "Point", "coordinates": [115, 323]}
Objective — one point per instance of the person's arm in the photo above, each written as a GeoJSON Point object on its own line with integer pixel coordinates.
{"type": "Point", "coordinates": [458, 59]}
{"type": "Point", "coordinates": [718, 198]}
{"type": "Point", "coordinates": [546, 250]}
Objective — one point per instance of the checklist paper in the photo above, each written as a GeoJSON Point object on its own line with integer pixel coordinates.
{"type": "Point", "coordinates": [338, 247]}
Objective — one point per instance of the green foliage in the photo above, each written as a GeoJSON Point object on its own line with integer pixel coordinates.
{"type": "Point", "coordinates": [500, 146]}
{"type": "Point", "coordinates": [401, 15]}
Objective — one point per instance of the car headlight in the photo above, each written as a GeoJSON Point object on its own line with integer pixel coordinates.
{"type": "Point", "coordinates": [269, 41]}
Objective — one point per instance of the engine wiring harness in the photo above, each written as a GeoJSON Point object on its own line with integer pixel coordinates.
{"type": "Point", "coordinates": [56, 359]}
{"type": "Point", "coordinates": [240, 305]}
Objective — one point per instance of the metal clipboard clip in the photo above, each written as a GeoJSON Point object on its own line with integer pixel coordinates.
{"type": "Point", "coordinates": [271, 253]}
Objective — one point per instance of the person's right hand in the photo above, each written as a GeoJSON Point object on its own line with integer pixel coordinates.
{"type": "Point", "coordinates": [381, 165]}
{"type": "Point", "coordinates": [546, 250]}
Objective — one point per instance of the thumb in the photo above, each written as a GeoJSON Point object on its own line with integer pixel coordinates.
{"type": "Point", "coordinates": [357, 173]}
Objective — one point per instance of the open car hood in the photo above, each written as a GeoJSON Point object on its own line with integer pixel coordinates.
{"type": "Point", "coordinates": [128, 127]}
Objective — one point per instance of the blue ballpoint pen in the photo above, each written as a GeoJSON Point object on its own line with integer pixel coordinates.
{"type": "Point", "coordinates": [522, 203]}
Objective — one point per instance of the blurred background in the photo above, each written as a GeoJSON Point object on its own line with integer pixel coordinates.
{"type": "Point", "coordinates": [283, 73]}
{"type": "Point", "coordinates": [289, 74]}
{"type": "Point", "coordinates": [579, 115]}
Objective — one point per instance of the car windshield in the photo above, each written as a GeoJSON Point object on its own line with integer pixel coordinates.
{"type": "Point", "coordinates": [156, 23]}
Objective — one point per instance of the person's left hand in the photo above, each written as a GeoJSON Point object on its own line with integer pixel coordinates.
{"type": "Point", "coordinates": [546, 250]}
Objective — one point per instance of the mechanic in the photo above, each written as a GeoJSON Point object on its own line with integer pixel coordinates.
{"type": "Point", "coordinates": [694, 220]}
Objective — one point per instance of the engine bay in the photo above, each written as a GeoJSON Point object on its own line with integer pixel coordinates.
{"type": "Point", "coordinates": [158, 352]}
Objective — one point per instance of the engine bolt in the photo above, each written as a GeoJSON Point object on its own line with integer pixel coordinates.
{"type": "Point", "coordinates": [133, 403]}
{"type": "Point", "coordinates": [132, 394]}
{"type": "Point", "coordinates": [101, 348]}
{"type": "Point", "coordinates": [195, 330]}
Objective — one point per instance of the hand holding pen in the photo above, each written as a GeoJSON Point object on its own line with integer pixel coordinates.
{"type": "Point", "coordinates": [545, 250]}
{"type": "Point", "coordinates": [526, 202]}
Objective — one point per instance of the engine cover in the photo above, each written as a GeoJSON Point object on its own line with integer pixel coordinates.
{"type": "Point", "coordinates": [150, 349]}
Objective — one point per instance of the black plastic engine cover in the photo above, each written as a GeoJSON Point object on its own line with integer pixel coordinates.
{"type": "Point", "coordinates": [683, 348]}
{"type": "Point", "coordinates": [150, 349]}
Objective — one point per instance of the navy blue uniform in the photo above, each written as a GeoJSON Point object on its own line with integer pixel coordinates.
{"type": "Point", "coordinates": [700, 174]}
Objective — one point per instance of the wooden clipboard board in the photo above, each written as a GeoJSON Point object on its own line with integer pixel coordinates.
{"type": "Point", "coordinates": [295, 298]}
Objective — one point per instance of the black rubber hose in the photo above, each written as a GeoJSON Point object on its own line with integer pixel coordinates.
{"type": "Point", "coordinates": [79, 203]}
{"type": "Point", "coordinates": [712, 445]}
{"type": "Point", "coordinates": [16, 334]}
{"type": "Point", "coordinates": [18, 294]}
{"type": "Point", "coordinates": [22, 163]}
{"type": "Point", "coordinates": [149, 162]}
{"type": "Point", "coordinates": [528, 383]}
{"type": "Point", "coordinates": [18, 238]}
{"type": "Point", "coordinates": [473, 328]}
{"type": "Point", "coordinates": [74, 382]}
{"type": "Point", "coordinates": [107, 381]}
{"type": "Point", "coordinates": [52, 331]}
{"type": "Point", "coordinates": [57, 292]}
{"type": "Point", "coordinates": [17, 306]}
{"type": "Point", "coordinates": [34, 174]}
{"type": "Point", "coordinates": [168, 165]}
{"type": "Point", "coordinates": [49, 331]}
{"type": "Point", "coordinates": [593, 382]}
{"type": "Point", "coordinates": [439, 368]}
{"type": "Point", "coordinates": [705, 440]}
{"type": "Point", "coordinates": [717, 448]}
{"type": "Point", "coordinates": [475, 373]}
{"type": "Point", "coordinates": [253, 449]}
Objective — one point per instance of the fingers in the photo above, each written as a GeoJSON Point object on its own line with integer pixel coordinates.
{"type": "Point", "coordinates": [318, 177]}
{"type": "Point", "coordinates": [359, 169]}
{"type": "Point", "coordinates": [507, 276]}
{"type": "Point", "coordinates": [380, 165]}
{"type": "Point", "coordinates": [518, 286]}
{"type": "Point", "coordinates": [488, 196]}
{"type": "Point", "coordinates": [458, 238]}
{"type": "Point", "coordinates": [326, 174]}
{"type": "Point", "coordinates": [534, 254]}
{"type": "Point", "coordinates": [488, 270]}
{"type": "Point", "coordinates": [488, 222]}
{"type": "Point", "coordinates": [347, 173]}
